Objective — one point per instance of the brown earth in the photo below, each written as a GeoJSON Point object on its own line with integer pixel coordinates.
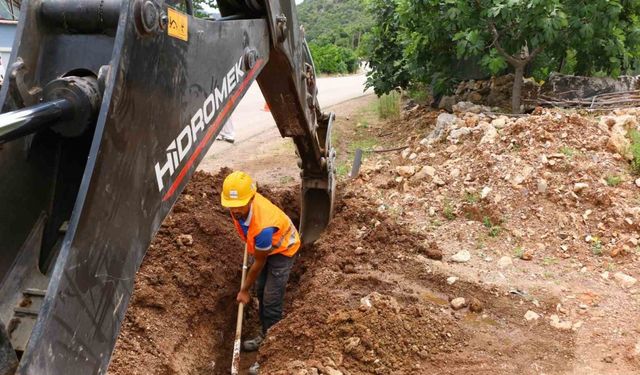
{"type": "Point", "coordinates": [379, 292]}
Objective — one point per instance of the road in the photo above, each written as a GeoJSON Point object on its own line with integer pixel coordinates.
{"type": "Point", "coordinates": [251, 120]}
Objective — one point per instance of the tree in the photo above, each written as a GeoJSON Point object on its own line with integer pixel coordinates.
{"type": "Point", "coordinates": [437, 35]}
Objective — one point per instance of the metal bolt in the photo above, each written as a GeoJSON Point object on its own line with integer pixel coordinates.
{"type": "Point", "coordinates": [164, 21]}
{"type": "Point", "coordinates": [149, 16]}
{"type": "Point", "coordinates": [250, 58]}
{"type": "Point", "coordinates": [282, 27]}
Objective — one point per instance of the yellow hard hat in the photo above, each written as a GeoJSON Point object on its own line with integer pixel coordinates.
{"type": "Point", "coordinates": [237, 190]}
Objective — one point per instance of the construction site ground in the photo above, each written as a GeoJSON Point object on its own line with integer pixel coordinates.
{"type": "Point", "coordinates": [532, 220]}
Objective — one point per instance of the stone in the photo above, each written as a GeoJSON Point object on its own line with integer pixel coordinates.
{"type": "Point", "coordinates": [625, 280]}
{"type": "Point", "coordinates": [638, 182]}
{"type": "Point", "coordinates": [360, 250]}
{"type": "Point", "coordinates": [579, 186]}
{"type": "Point", "coordinates": [438, 181]}
{"type": "Point", "coordinates": [618, 141]}
{"type": "Point", "coordinates": [527, 255]}
{"type": "Point", "coordinates": [447, 103]}
{"type": "Point", "coordinates": [456, 134]}
{"type": "Point", "coordinates": [405, 153]}
{"type": "Point", "coordinates": [413, 156]}
{"type": "Point", "coordinates": [406, 170]}
{"type": "Point", "coordinates": [490, 135]}
{"type": "Point", "coordinates": [332, 371]}
{"type": "Point", "coordinates": [475, 305]}
{"type": "Point", "coordinates": [542, 186]}
{"type": "Point", "coordinates": [499, 123]}
{"type": "Point", "coordinates": [485, 192]}
{"type": "Point", "coordinates": [458, 303]}
{"type": "Point", "coordinates": [455, 173]}
{"type": "Point", "coordinates": [351, 343]}
{"type": "Point", "coordinates": [531, 315]}
{"type": "Point", "coordinates": [462, 256]}
{"type": "Point", "coordinates": [184, 240]}
{"type": "Point", "coordinates": [444, 122]}
{"type": "Point", "coordinates": [558, 324]}
{"type": "Point", "coordinates": [452, 280]}
{"type": "Point", "coordinates": [505, 262]}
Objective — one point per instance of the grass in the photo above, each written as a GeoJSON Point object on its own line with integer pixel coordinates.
{"type": "Point", "coordinates": [285, 180]}
{"type": "Point", "coordinates": [365, 144]}
{"type": "Point", "coordinates": [518, 252]}
{"type": "Point", "coordinates": [418, 93]}
{"type": "Point", "coordinates": [342, 170]}
{"type": "Point", "coordinates": [568, 152]}
{"type": "Point", "coordinates": [448, 211]}
{"type": "Point", "coordinates": [635, 150]}
{"type": "Point", "coordinates": [494, 230]}
{"type": "Point", "coordinates": [389, 106]}
{"type": "Point", "coordinates": [596, 246]}
{"type": "Point", "coordinates": [471, 198]}
{"type": "Point", "coordinates": [548, 261]}
{"type": "Point", "coordinates": [613, 180]}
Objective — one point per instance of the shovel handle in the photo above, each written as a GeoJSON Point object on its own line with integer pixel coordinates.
{"type": "Point", "coordinates": [235, 363]}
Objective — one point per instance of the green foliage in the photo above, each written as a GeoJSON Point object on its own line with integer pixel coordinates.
{"type": "Point", "coordinates": [342, 23]}
{"type": "Point", "coordinates": [494, 229]}
{"type": "Point", "coordinates": [635, 150]}
{"type": "Point", "coordinates": [518, 252]}
{"type": "Point", "coordinates": [332, 59]}
{"type": "Point", "coordinates": [389, 105]}
{"type": "Point", "coordinates": [596, 246]}
{"type": "Point", "coordinates": [568, 152]}
{"type": "Point", "coordinates": [613, 180]}
{"type": "Point", "coordinates": [433, 41]}
{"type": "Point", "coordinates": [448, 211]}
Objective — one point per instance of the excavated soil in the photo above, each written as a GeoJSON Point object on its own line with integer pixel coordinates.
{"type": "Point", "coordinates": [181, 319]}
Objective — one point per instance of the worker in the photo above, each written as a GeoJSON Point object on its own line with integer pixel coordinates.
{"type": "Point", "coordinates": [271, 239]}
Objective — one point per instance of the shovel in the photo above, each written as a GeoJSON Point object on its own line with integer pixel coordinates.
{"type": "Point", "coordinates": [235, 363]}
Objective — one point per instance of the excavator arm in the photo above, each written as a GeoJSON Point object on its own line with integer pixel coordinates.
{"type": "Point", "coordinates": [108, 108]}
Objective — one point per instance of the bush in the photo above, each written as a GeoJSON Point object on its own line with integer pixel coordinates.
{"type": "Point", "coordinates": [389, 105]}
{"type": "Point", "coordinates": [332, 59]}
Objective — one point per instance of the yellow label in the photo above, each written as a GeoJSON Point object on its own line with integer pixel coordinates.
{"type": "Point", "coordinates": [178, 25]}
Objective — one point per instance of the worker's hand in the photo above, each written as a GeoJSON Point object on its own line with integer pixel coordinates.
{"type": "Point", "coordinates": [243, 297]}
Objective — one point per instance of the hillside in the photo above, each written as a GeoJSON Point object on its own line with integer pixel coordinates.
{"type": "Point", "coordinates": [338, 22]}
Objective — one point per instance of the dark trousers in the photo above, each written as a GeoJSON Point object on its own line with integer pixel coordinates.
{"type": "Point", "coordinates": [270, 288]}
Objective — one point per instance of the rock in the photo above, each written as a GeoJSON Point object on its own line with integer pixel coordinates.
{"type": "Point", "coordinates": [618, 141]}
{"type": "Point", "coordinates": [360, 250]}
{"type": "Point", "coordinates": [499, 123]}
{"type": "Point", "coordinates": [406, 170]}
{"type": "Point", "coordinates": [527, 255]}
{"type": "Point", "coordinates": [431, 251]}
{"type": "Point", "coordinates": [625, 280]}
{"type": "Point", "coordinates": [447, 103]}
{"type": "Point", "coordinates": [469, 107]}
{"type": "Point", "coordinates": [556, 323]}
{"type": "Point", "coordinates": [638, 182]}
{"type": "Point", "coordinates": [413, 156]}
{"type": "Point", "coordinates": [505, 262]}
{"type": "Point", "coordinates": [485, 192]}
{"type": "Point", "coordinates": [530, 315]}
{"type": "Point", "coordinates": [452, 280]}
{"type": "Point", "coordinates": [456, 134]}
{"type": "Point", "coordinates": [444, 122]}
{"type": "Point", "coordinates": [351, 343]}
{"type": "Point", "coordinates": [455, 173]}
{"type": "Point", "coordinates": [331, 371]}
{"type": "Point", "coordinates": [462, 256]}
{"type": "Point", "coordinates": [185, 240]}
{"type": "Point", "coordinates": [542, 186]}
{"type": "Point", "coordinates": [475, 305]}
{"type": "Point", "coordinates": [405, 153]}
{"type": "Point", "coordinates": [605, 275]}
{"type": "Point", "coordinates": [438, 181]}
{"type": "Point", "coordinates": [490, 135]}
{"type": "Point", "coordinates": [427, 172]}
{"type": "Point", "coordinates": [579, 186]}
{"type": "Point", "coordinates": [458, 303]}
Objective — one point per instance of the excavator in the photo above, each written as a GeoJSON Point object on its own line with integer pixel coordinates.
{"type": "Point", "coordinates": [108, 106]}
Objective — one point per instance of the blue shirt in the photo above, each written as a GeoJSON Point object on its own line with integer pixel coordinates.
{"type": "Point", "coordinates": [264, 239]}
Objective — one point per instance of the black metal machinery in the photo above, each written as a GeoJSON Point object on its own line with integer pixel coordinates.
{"type": "Point", "coordinates": [108, 107]}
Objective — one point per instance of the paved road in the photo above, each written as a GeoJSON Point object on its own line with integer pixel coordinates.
{"type": "Point", "coordinates": [251, 120]}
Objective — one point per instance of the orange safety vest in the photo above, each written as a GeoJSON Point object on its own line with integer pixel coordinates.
{"type": "Point", "coordinates": [264, 214]}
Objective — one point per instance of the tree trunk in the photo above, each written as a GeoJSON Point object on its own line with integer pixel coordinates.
{"type": "Point", "coordinates": [516, 95]}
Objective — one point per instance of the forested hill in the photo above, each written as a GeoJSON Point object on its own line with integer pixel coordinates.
{"type": "Point", "coordinates": [335, 28]}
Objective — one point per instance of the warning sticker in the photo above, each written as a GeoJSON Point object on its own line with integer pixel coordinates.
{"type": "Point", "coordinates": [178, 25]}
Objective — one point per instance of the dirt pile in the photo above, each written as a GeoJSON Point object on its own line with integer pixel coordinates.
{"type": "Point", "coordinates": [181, 319]}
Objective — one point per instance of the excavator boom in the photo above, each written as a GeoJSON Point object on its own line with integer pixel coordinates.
{"type": "Point", "coordinates": [108, 108]}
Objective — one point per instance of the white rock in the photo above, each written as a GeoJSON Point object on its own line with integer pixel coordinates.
{"type": "Point", "coordinates": [556, 323]}
{"type": "Point", "coordinates": [499, 123]}
{"type": "Point", "coordinates": [438, 181]}
{"type": "Point", "coordinates": [625, 280]}
{"type": "Point", "coordinates": [331, 371]}
{"type": "Point", "coordinates": [406, 170]}
{"type": "Point", "coordinates": [456, 134]}
{"type": "Point", "coordinates": [452, 280]}
{"type": "Point", "coordinates": [413, 156]}
{"type": "Point", "coordinates": [490, 135]}
{"type": "Point", "coordinates": [542, 186]}
{"type": "Point", "coordinates": [605, 275]}
{"type": "Point", "coordinates": [505, 262]}
{"type": "Point", "coordinates": [638, 182]}
{"type": "Point", "coordinates": [458, 303]}
{"type": "Point", "coordinates": [462, 256]}
{"type": "Point", "coordinates": [579, 186]}
{"type": "Point", "coordinates": [485, 192]}
{"type": "Point", "coordinates": [439, 133]}
{"type": "Point", "coordinates": [531, 315]}
{"type": "Point", "coordinates": [405, 153]}
{"type": "Point", "coordinates": [455, 173]}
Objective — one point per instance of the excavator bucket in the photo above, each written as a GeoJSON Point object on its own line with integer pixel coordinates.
{"type": "Point", "coordinates": [108, 107]}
